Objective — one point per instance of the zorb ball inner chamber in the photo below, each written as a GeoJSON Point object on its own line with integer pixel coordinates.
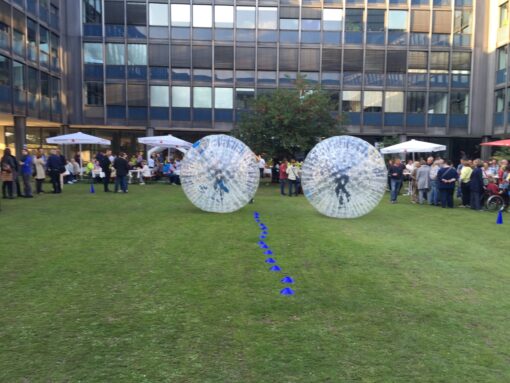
{"type": "Point", "coordinates": [219, 174]}
{"type": "Point", "coordinates": [344, 177]}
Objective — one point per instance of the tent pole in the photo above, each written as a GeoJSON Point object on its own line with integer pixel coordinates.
{"type": "Point", "coordinates": [81, 163]}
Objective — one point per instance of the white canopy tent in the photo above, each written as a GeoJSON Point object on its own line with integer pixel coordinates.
{"type": "Point", "coordinates": [168, 141]}
{"type": "Point", "coordinates": [413, 146]}
{"type": "Point", "coordinates": [78, 139]}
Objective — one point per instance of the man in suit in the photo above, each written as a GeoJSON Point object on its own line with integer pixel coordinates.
{"type": "Point", "coordinates": [104, 162]}
{"type": "Point", "coordinates": [55, 166]}
{"type": "Point", "coordinates": [476, 185]}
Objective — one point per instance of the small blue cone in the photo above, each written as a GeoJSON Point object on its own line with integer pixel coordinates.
{"type": "Point", "coordinates": [264, 232]}
{"type": "Point", "coordinates": [499, 220]}
{"type": "Point", "coordinates": [257, 220]}
{"type": "Point", "coordinates": [264, 246]}
{"type": "Point", "coordinates": [262, 237]}
{"type": "Point", "coordinates": [92, 188]}
{"type": "Point", "coordinates": [287, 291]}
{"type": "Point", "coordinates": [270, 260]}
{"type": "Point", "coordinates": [287, 279]}
{"type": "Point", "coordinates": [261, 243]}
{"type": "Point", "coordinates": [275, 268]}
{"type": "Point", "coordinates": [268, 252]}
{"type": "Point", "coordinates": [255, 213]}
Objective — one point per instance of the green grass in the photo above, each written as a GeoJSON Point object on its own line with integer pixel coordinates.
{"type": "Point", "coordinates": [144, 287]}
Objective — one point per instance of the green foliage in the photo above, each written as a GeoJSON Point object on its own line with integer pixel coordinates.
{"type": "Point", "coordinates": [502, 153]}
{"type": "Point", "coordinates": [289, 120]}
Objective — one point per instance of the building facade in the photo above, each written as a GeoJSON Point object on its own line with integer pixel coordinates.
{"type": "Point", "coordinates": [120, 69]}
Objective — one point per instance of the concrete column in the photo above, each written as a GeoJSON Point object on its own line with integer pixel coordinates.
{"type": "Point", "coordinates": [485, 152]}
{"type": "Point", "coordinates": [20, 134]}
{"type": "Point", "coordinates": [150, 131]}
{"type": "Point", "coordinates": [402, 137]}
{"type": "Point", "coordinates": [64, 129]}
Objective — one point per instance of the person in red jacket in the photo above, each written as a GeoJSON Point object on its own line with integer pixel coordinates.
{"type": "Point", "coordinates": [283, 175]}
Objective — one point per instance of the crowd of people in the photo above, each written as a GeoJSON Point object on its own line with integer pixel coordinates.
{"type": "Point", "coordinates": [286, 173]}
{"type": "Point", "coordinates": [105, 168]}
{"type": "Point", "coordinates": [435, 180]}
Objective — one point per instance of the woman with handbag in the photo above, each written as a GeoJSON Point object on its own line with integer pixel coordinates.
{"type": "Point", "coordinates": [7, 166]}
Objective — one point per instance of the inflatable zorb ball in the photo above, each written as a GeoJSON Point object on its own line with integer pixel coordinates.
{"type": "Point", "coordinates": [219, 174]}
{"type": "Point", "coordinates": [344, 177]}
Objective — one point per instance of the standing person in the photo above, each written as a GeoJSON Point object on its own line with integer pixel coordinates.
{"type": "Point", "coordinates": [434, 191]}
{"type": "Point", "coordinates": [423, 182]}
{"type": "Point", "coordinates": [283, 175]}
{"type": "Point", "coordinates": [447, 176]}
{"type": "Point", "coordinates": [476, 185]}
{"type": "Point", "coordinates": [104, 162]}
{"type": "Point", "coordinates": [121, 166]}
{"type": "Point", "coordinates": [55, 166]}
{"type": "Point", "coordinates": [293, 176]}
{"type": "Point", "coordinates": [414, 182]}
{"type": "Point", "coordinates": [7, 165]}
{"type": "Point", "coordinates": [40, 174]}
{"type": "Point", "coordinates": [396, 173]}
{"type": "Point", "coordinates": [262, 165]}
{"type": "Point", "coordinates": [177, 171]}
{"type": "Point", "coordinates": [465, 176]}
{"type": "Point", "coordinates": [27, 163]}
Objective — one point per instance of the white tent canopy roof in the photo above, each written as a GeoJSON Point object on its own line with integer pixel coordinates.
{"type": "Point", "coordinates": [77, 138]}
{"type": "Point", "coordinates": [413, 146]}
{"type": "Point", "coordinates": [168, 141]}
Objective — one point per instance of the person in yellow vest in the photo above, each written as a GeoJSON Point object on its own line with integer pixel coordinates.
{"type": "Point", "coordinates": [465, 176]}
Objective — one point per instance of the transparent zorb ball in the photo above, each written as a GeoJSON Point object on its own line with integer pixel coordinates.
{"type": "Point", "coordinates": [219, 174]}
{"type": "Point", "coordinates": [344, 177]}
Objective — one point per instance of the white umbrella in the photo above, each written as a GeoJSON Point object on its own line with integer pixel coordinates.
{"type": "Point", "coordinates": [168, 141]}
{"type": "Point", "coordinates": [413, 146]}
{"type": "Point", "coordinates": [77, 138]}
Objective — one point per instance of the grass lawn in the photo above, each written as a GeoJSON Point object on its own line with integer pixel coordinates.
{"type": "Point", "coordinates": [144, 287]}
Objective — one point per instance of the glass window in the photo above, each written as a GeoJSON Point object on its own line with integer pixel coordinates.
{"type": "Point", "coordinates": [18, 75]}
{"type": "Point", "coordinates": [503, 15]}
{"type": "Point", "coordinates": [310, 25]}
{"type": "Point", "coordinates": [181, 96]}
{"type": "Point", "coordinates": [459, 103]}
{"type": "Point", "coordinates": [332, 19]}
{"type": "Point", "coordinates": [223, 98]}
{"type": "Point", "coordinates": [136, 14]}
{"type": "Point", "coordinates": [137, 54]}
{"type": "Point", "coordinates": [416, 102]}
{"type": "Point", "coordinates": [180, 15]}
{"type": "Point", "coordinates": [245, 17]}
{"type": "Point", "coordinates": [268, 18]}
{"type": "Point", "coordinates": [202, 16]}
{"type": "Point", "coordinates": [351, 101]}
{"type": "Point", "coordinates": [372, 101]}
{"type": "Point", "coordinates": [502, 58]}
{"type": "Point", "coordinates": [160, 96]}
{"type": "Point", "coordinates": [202, 97]}
{"type": "Point", "coordinates": [33, 80]}
{"type": "Point", "coordinates": [394, 102]}
{"type": "Point", "coordinates": [397, 20]}
{"type": "Point", "coordinates": [462, 22]}
{"type": "Point", "coordinates": [94, 93]}
{"type": "Point", "coordinates": [115, 54]}
{"type": "Point", "coordinates": [375, 20]}
{"type": "Point", "coordinates": [93, 53]}
{"type": "Point", "coordinates": [289, 24]}
{"type": "Point", "coordinates": [354, 20]}
{"type": "Point", "coordinates": [158, 14]}
{"type": "Point", "coordinates": [92, 11]}
{"type": "Point", "coordinates": [223, 16]}
{"type": "Point", "coordinates": [438, 103]}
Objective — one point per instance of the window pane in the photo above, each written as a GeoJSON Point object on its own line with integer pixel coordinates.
{"type": "Point", "coordinates": [158, 14]}
{"type": "Point", "coordinates": [394, 102]}
{"type": "Point", "coordinates": [180, 15]}
{"type": "Point", "coordinates": [245, 17]}
{"type": "Point", "coordinates": [93, 53]}
{"type": "Point", "coordinates": [223, 16]}
{"type": "Point", "coordinates": [397, 20]}
{"type": "Point", "coordinates": [310, 25]}
{"type": "Point", "coordinates": [372, 101]}
{"type": "Point", "coordinates": [462, 22]}
{"type": "Point", "coordinates": [438, 103]}
{"type": "Point", "coordinates": [223, 98]}
{"type": "Point", "coordinates": [160, 96]}
{"type": "Point", "coordinates": [94, 93]}
{"type": "Point", "coordinates": [202, 16]}
{"type": "Point", "coordinates": [332, 19]}
{"type": "Point", "coordinates": [136, 14]}
{"type": "Point", "coordinates": [115, 54]}
{"type": "Point", "coordinates": [92, 11]}
{"type": "Point", "coordinates": [375, 20]}
{"type": "Point", "coordinates": [181, 96]}
{"type": "Point", "coordinates": [354, 20]}
{"type": "Point", "coordinates": [202, 97]}
{"type": "Point", "coordinates": [416, 102]}
{"type": "Point", "coordinates": [459, 103]}
{"type": "Point", "coordinates": [351, 101]}
{"type": "Point", "coordinates": [268, 18]}
{"type": "Point", "coordinates": [137, 54]}
{"type": "Point", "coordinates": [289, 24]}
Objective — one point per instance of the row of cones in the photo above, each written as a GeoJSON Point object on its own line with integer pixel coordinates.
{"type": "Point", "coordinates": [267, 251]}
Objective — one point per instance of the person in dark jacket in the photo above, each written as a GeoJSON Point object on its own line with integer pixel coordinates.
{"type": "Point", "coordinates": [476, 185]}
{"type": "Point", "coordinates": [121, 166]}
{"type": "Point", "coordinates": [7, 166]}
{"type": "Point", "coordinates": [104, 162]}
{"type": "Point", "coordinates": [447, 177]}
{"type": "Point", "coordinates": [55, 166]}
{"type": "Point", "coordinates": [396, 173]}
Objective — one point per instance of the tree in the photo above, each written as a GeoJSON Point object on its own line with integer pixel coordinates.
{"type": "Point", "coordinates": [289, 120]}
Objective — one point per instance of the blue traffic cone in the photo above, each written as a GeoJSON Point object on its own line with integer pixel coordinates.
{"type": "Point", "coordinates": [287, 291]}
{"type": "Point", "coordinates": [287, 279]}
{"type": "Point", "coordinates": [92, 188]}
{"type": "Point", "coordinates": [270, 260]}
{"type": "Point", "coordinates": [268, 252]}
{"type": "Point", "coordinates": [257, 220]}
{"type": "Point", "coordinates": [255, 213]}
{"type": "Point", "coordinates": [264, 232]}
{"type": "Point", "coordinates": [262, 237]}
{"type": "Point", "coordinates": [264, 246]}
{"type": "Point", "coordinates": [499, 220]}
{"type": "Point", "coordinates": [261, 243]}
{"type": "Point", "coordinates": [275, 268]}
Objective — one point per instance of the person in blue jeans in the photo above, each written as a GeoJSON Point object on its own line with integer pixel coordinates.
{"type": "Point", "coordinates": [121, 166]}
{"type": "Point", "coordinates": [447, 176]}
{"type": "Point", "coordinates": [396, 173]}
{"type": "Point", "coordinates": [434, 184]}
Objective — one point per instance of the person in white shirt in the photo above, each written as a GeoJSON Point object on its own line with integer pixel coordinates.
{"type": "Point", "coordinates": [293, 176]}
{"type": "Point", "coordinates": [146, 173]}
{"type": "Point", "coordinates": [262, 166]}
